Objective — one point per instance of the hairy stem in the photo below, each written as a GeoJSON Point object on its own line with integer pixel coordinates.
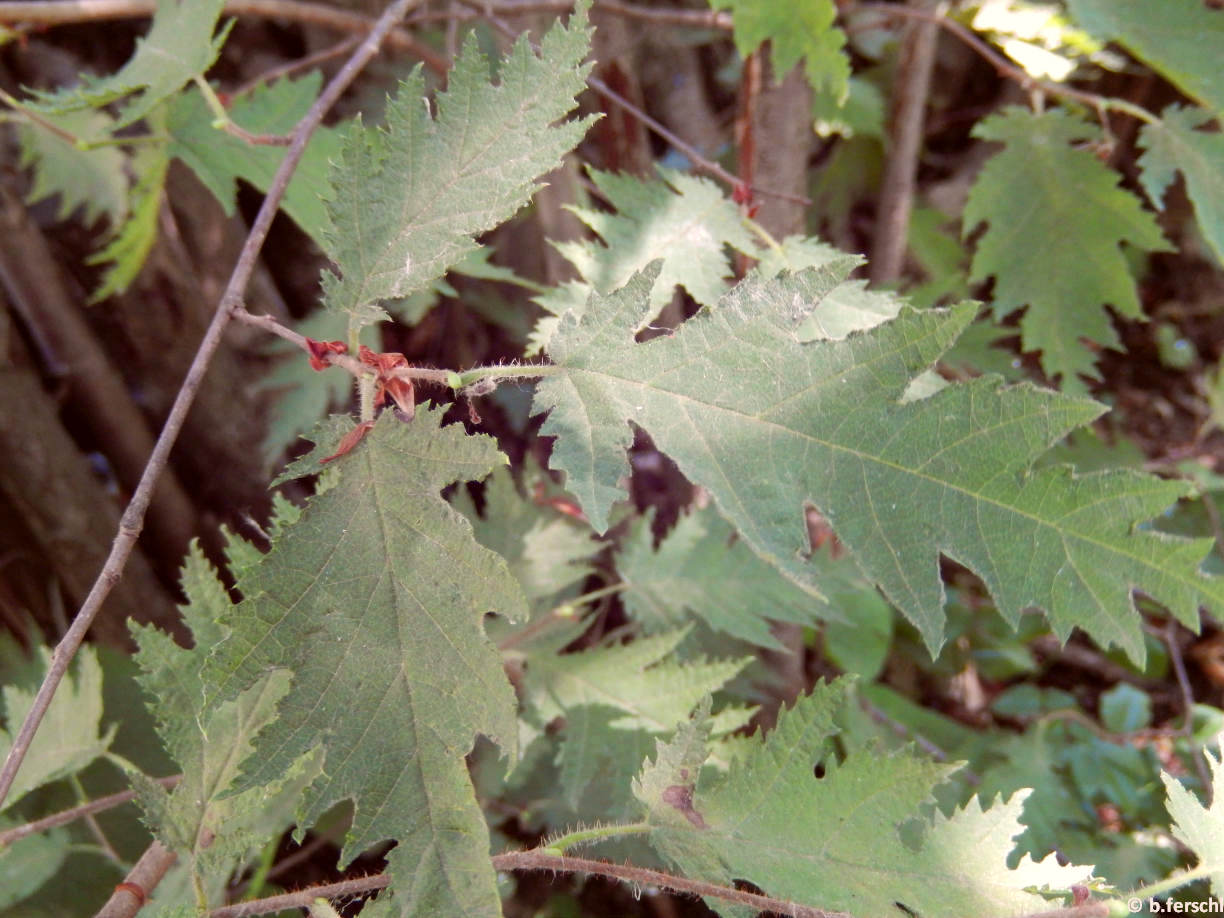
{"type": "Point", "coordinates": [539, 860]}
{"type": "Point", "coordinates": [640, 876]}
{"type": "Point", "coordinates": [561, 843]}
{"type": "Point", "coordinates": [36, 118]}
{"type": "Point", "coordinates": [223, 122]}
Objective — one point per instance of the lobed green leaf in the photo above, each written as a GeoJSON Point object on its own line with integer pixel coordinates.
{"type": "Point", "coordinates": [853, 840]}
{"type": "Point", "coordinates": [1056, 220]}
{"type": "Point", "coordinates": [1175, 144]}
{"type": "Point", "coordinates": [1179, 39]}
{"type": "Point", "coordinates": [768, 424]}
{"type": "Point", "coordinates": [180, 46]}
{"type": "Point", "coordinates": [407, 199]}
{"type": "Point", "coordinates": [374, 599]}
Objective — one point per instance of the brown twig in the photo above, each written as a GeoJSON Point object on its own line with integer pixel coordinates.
{"type": "Point", "coordinates": [1187, 693]}
{"type": "Point", "coordinates": [63, 12]}
{"type": "Point", "coordinates": [534, 860]}
{"type": "Point", "coordinates": [130, 895]}
{"type": "Point", "coordinates": [1001, 64]}
{"type": "Point", "coordinates": [911, 86]}
{"type": "Point", "coordinates": [256, 140]}
{"type": "Point", "coordinates": [696, 19]}
{"type": "Point", "coordinates": [133, 517]}
{"type": "Point", "coordinates": [303, 898]}
{"type": "Point", "coordinates": [64, 817]}
{"type": "Point", "coordinates": [339, 49]}
{"type": "Point", "coordinates": [641, 876]}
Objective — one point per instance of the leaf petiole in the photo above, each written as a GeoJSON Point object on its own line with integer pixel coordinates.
{"type": "Point", "coordinates": [594, 834]}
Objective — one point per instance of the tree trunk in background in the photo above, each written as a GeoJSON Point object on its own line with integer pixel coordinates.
{"type": "Point", "coordinates": [62, 504]}
{"type": "Point", "coordinates": [783, 138]}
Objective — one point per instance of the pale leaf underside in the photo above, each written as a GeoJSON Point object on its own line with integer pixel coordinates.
{"type": "Point", "coordinates": [1201, 828]}
{"type": "Point", "coordinates": [767, 423]}
{"type": "Point", "coordinates": [213, 831]}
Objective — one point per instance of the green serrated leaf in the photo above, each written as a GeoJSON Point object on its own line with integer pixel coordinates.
{"type": "Point", "coordinates": [665, 785]}
{"type": "Point", "coordinates": [596, 760]}
{"type": "Point", "coordinates": [614, 701]}
{"type": "Point", "coordinates": [374, 598]}
{"type": "Point", "coordinates": [1174, 144]}
{"type": "Point", "coordinates": [1200, 828]}
{"type": "Point", "coordinates": [848, 308]}
{"type": "Point", "coordinates": [801, 30]}
{"type": "Point", "coordinates": [213, 830]}
{"type": "Point", "coordinates": [1036, 195]}
{"type": "Point", "coordinates": [684, 219]}
{"type": "Point", "coordinates": [179, 47]}
{"type": "Point", "coordinates": [70, 736]}
{"type": "Point", "coordinates": [661, 693]}
{"type": "Point", "coordinates": [702, 568]}
{"type": "Point", "coordinates": [406, 200]}
{"type": "Point", "coordinates": [845, 841]}
{"type": "Point", "coordinates": [93, 181]}
{"type": "Point", "coordinates": [126, 253]}
{"type": "Point", "coordinates": [219, 159]}
{"type": "Point", "coordinates": [688, 223]}
{"type": "Point", "coordinates": [768, 423]}
{"type": "Point", "coordinates": [1179, 39]}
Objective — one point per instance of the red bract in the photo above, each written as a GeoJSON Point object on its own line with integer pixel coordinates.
{"type": "Point", "coordinates": [319, 351]}
{"type": "Point", "coordinates": [350, 439]}
{"type": "Point", "coordinates": [400, 389]}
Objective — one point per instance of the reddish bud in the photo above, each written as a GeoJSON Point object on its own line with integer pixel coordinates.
{"type": "Point", "coordinates": [320, 352]}
{"type": "Point", "coordinates": [560, 504]}
{"type": "Point", "coordinates": [350, 439]}
{"type": "Point", "coordinates": [401, 392]}
{"type": "Point", "coordinates": [398, 388]}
